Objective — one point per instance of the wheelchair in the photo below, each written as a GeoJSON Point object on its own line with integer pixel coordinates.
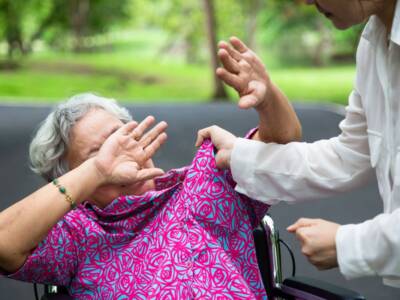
{"type": "Point", "coordinates": [267, 242]}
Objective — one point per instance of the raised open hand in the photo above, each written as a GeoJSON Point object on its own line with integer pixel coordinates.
{"type": "Point", "coordinates": [244, 71]}
{"type": "Point", "coordinates": [122, 156]}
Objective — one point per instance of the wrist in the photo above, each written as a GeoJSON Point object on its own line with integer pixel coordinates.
{"type": "Point", "coordinates": [96, 175]}
{"type": "Point", "coordinates": [270, 94]}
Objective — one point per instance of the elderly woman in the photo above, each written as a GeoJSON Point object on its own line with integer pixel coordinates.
{"type": "Point", "coordinates": [112, 226]}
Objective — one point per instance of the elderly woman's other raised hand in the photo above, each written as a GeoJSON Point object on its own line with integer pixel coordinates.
{"type": "Point", "coordinates": [123, 155]}
{"type": "Point", "coordinates": [244, 71]}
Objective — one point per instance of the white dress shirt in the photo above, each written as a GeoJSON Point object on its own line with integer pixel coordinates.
{"type": "Point", "coordinates": [370, 141]}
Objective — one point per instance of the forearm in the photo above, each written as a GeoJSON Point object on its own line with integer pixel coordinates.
{"type": "Point", "coordinates": [278, 121]}
{"type": "Point", "coordinates": [25, 224]}
{"type": "Point", "coordinates": [296, 171]}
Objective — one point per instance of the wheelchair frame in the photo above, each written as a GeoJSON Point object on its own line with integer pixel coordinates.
{"type": "Point", "coordinates": [267, 241]}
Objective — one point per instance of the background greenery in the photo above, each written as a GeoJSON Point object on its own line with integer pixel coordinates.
{"type": "Point", "coordinates": [159, 51]}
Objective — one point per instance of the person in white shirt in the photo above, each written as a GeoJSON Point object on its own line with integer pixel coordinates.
{"type": "Point", "coordinates": [369, 142]}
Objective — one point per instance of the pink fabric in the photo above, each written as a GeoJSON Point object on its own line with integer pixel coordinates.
{"type": "Point", "coordinates": [190, 238]}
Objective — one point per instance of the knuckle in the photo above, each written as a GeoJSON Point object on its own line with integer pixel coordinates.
{"type": "Point", "coordinates": [305, 252]}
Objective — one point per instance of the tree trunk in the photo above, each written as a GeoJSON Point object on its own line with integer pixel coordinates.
{"type": "Point", "coordinates": [219, 92]}
{"type": "Point", "coordinates": [12, 30]}
{"type": "Point", "coordinates": [251, 22]}
{"type": "Point", "coordinates": [79, 15]}
{"type": "Point", "coordinates": [48, 21]}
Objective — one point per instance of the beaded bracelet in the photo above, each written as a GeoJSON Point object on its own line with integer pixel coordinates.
{"type": "Point", "coordinates": [63, 191]}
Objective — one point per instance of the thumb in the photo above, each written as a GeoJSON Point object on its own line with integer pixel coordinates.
{"type": "Point", "coordinates": [302, 222]}
{"type": "Point", "coordinates": [202, 135]}
{"type": "Point", "coordinates": [146, 174]}
{"type": "Point", "coordinates": [247, 101]}
{"type": "Point", "coordinates": [256, 94]}
{"type": "Point", "coordinates": [223, 158]}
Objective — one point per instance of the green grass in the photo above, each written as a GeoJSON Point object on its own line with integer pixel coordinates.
{"type": "Point", "coordinates": [136, 72]}
{"type": "Point", "coordinates": [332, 84]}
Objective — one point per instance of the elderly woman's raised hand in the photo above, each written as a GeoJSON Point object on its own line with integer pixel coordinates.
{"type": "Point", "coordinates": [244, 71]}
{"type": "Point", "coordinates": [124, 153]}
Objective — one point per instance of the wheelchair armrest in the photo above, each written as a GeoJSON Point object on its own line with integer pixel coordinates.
{"type": "Point", "coordinates": [52, 292]}
{"type": "Point", "coordinates": [56, 297]}
{"type": "Point", "coordinates": [318, 288]}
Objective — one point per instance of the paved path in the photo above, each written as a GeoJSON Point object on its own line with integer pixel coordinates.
{"type": "Point", "coordinates": [17, 125]}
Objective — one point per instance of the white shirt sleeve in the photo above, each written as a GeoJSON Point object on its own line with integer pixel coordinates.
{"type": "Point", "coordinates": [302, 171]}
{"type": "Point", "coordinates": [371, 248]}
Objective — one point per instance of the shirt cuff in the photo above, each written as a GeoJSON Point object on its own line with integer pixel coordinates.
{"type": "Point", "coordinates": [349, 252]}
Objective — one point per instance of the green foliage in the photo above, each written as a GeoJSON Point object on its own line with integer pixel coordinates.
{"type": "Point", "coordinates": [137, 76]}
{"type": "Point", "coordinates": [298, 34]}
{"type": "Point", "coordinates": [184, 22]}
{"type": "Point", "coordinates": [167, 55]}
{"type": "Point", "coordinates": [25, 21]}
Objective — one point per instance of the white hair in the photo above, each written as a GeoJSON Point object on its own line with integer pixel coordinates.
{"type": "Point", "coordinates": [49, 146]}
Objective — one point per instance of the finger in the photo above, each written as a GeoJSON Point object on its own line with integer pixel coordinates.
{"type": "Point", "coordinates": [232, 52]}
{"type": "Point", "coordinates": [228, 62]}
{"type": "Point", "coordinates": [128, 127]}
{"type": "Point", "coordinates": [302, 222]}
{"type": "Point", "coordinates": [152, 148]}
{"type": "Point", "coordinates": [248, 101]}
{"type": "Point", "coordinates": [141, 128]}
{"type": "Point", "coordinates": [244, 65]}
{"type": "Point", "coordinates": [300, 235]}
{"type": "Point", "coordinates": [238, 44]}
{"type": "Point", "coordinates": [229, 78]}
{"type": "Point", "coordinates": [153, 134]}
{"type": "Point", "coordinates": [202, 135]}
{"type": "Point", "coordinates": [146, 174]}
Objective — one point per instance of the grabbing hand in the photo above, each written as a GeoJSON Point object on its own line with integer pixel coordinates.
{"type": "Point", "coordinates": [244, 71]}
{"type": "Point", "coordinates": [223, 140]}
{"type": "Point", "coordinates": [318, 241]}
{"type": "Point", "coordinates": [122, 156]}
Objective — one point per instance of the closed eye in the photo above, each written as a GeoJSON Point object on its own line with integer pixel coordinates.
{"type": "Point", "coordinates": [96, 149]}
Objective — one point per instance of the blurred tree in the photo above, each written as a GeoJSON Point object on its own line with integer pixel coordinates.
{"type": "Point", "coordinates": [10, 12]}
{"type": "Point", "coordinates": [288, 23]}
{"type": "Point", "coordinates": [181, 20]}
{"type": "Point", "coordinates": [298, 32]}
{"type": "Point", "coordinates": [219, 92]}
{"type": "Point", "coordinates": [251, 10]}
{"type": "Point", "coordinates": [83, 18]}
{"type": "Point", "coordinates": [26, 21]}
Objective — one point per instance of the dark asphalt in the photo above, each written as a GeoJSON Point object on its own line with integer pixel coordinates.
{"type": "Point", "coordinates": [17, 125]}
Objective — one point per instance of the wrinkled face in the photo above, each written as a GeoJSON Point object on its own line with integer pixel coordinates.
{"type": "Point", "coordinates": [347, 13]}
{"type": "Point", "coordinates": [86, 138]}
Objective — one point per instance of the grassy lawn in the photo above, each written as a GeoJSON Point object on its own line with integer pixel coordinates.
{"type": "Point", "coordinates": [137, 73]}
